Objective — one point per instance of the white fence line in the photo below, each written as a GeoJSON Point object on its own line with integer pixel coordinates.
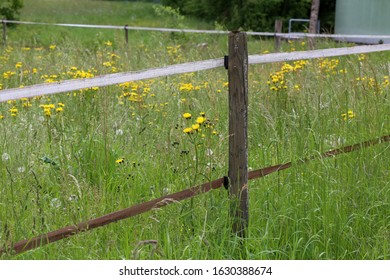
{"type": "Point", "coordinates": [106, 80]}
{"type": "Point", "coordinates": [117, 78]}
{"type": "Point", "coordinates": [323, 53]}
{"type": "Point", "coordinates": [266, 34]}
{"type": "Point", "coordinates": [123, 27]}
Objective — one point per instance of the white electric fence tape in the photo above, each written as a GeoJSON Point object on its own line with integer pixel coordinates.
{"type": "Point", "coordinates": [270, 34]}
{"type": "Point", "coordinates": [277, 57]}
{"type": "Point", "coordinates": [106, 80]}
{"type": "Point", "coordinates": [117, 78]}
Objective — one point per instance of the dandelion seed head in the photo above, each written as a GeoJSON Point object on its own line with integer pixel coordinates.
{"type": "Point", "coordinates": [55, 203]}
{"type": "Point", "coordinates": [5, 157]}
{"type": "Point", "coordinates": [21, 169]}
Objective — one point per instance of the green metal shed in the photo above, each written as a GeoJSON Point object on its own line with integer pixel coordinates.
{"type": "Point", "coordinates": [363, 17]}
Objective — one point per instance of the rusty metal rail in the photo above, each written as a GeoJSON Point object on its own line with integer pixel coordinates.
{"type": "Point", "coordinates": [53, 236]}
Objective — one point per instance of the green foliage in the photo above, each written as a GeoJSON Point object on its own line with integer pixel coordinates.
{"type": "Point", "coordinates": [258, 15]}
{"type": "Point", "coordinates": [176, 19]}
{"type": "Point", "coordinates": [9, 9]}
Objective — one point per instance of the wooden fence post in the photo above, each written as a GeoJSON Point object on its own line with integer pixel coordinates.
{"type": "Point", "coordinates": [278, 29]}
{"type": "Point", "coordinates": [238, 119]}
{"type": "Point", "coordinates": [4, 32]}
{"type": "Point", "coordinates": [315, 9]}
{"type": "Point", "coordinates": [126, 35]}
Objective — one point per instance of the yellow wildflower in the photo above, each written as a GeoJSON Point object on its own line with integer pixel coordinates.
{"type": "Point", "coordinates": [349, 115]}
{"type": "Point", "coordinates": [26, 104]}
{"type": "Point", "coordinates": [13, 111]}
{"type": "Point", "coordinates": [186, 87]}
{"type": "Point", "coordinates": [47, 112]}
{"type": "Point", "coordinates": [188, 130]}
{"type": "Point", "coordinates": [107, 64]}
{"type": "Point", "coordinates": [200, 120]}
{"type": "Point", "coordinates": [187, 116]}
{"type": "Point", "coordinates": [8, 74]}
{"type": "Point", "coordinates": [195, 127]}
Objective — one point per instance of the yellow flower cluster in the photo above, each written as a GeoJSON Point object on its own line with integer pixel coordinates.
{"type": "Point", "coordinates": [13, 111]}
{"type": "Point", "coordinates": [347, 116]}
{"type": "Point", "coordinates": [76, 73]}
{"type": "Point", "coordinates": [8, 74]}
{"type": "Point", "coordinates": [326, 65]}
{"type": "Point", "coordinates": [175, 53]}
{"type": "Point", "coordinates": [187, 87]}
{"type": "Point", "coordinates": [47, 108]}
{"type": "Point", "coordinates": [200, 121]}
{"type": "Point", "coordinates": [50, 78]}
{"type": "Point", "coordinates": [373, 84]}
{"type": "Point", "coordinates": [135, 91]}
{"type": "Point", "coordinates": [277, 80]}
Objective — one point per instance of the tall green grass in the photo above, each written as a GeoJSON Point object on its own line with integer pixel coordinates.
{"type": "Point", "coordinates": [110, 149]}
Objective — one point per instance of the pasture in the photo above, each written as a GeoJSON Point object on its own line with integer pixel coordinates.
{"type": "Point", "coordinates": [73, 156]}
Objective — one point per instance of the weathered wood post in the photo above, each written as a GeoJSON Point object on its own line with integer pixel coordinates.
{"type": "Point", "coordinates": [238, 119]}
{"type": "Point", "coordinates": [313, 25]}
{"type": "Point", "coordinates": [278, 39]}
{"type": "Point", "coordinates": [126, 35]}
{"type": "Point", "coordinates": [4, 32]}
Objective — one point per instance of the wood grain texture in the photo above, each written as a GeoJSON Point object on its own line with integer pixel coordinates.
{"type": "Point", "coordinates": [238, 131]}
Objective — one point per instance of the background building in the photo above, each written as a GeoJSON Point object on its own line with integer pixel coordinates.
{"type": "Point", "coordinates": [363, 17]}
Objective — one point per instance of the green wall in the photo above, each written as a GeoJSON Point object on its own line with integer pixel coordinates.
{"type": "Point", "coordinates": [366, 17]}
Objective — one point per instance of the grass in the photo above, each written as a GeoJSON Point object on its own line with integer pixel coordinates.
{"type": "Point", "coordinates": [70, 157]}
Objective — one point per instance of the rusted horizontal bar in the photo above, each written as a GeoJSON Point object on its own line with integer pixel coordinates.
{"type": "Point", "coordinates": [138, 209]}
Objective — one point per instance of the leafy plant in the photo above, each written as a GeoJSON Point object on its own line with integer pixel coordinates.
{"type": "Point", "coordinates": [10, 9]}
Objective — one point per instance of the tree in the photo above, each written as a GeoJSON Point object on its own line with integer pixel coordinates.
{"type": "Point", "coordinates": [315, 7]}
{"type": "Point", "coordinates": [257, 15]}
{"type": "Point", "coordinates": [9, 9]}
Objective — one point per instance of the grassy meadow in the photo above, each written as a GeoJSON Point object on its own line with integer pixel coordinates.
{"type": "Point", "coordinates": [74, 156]}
